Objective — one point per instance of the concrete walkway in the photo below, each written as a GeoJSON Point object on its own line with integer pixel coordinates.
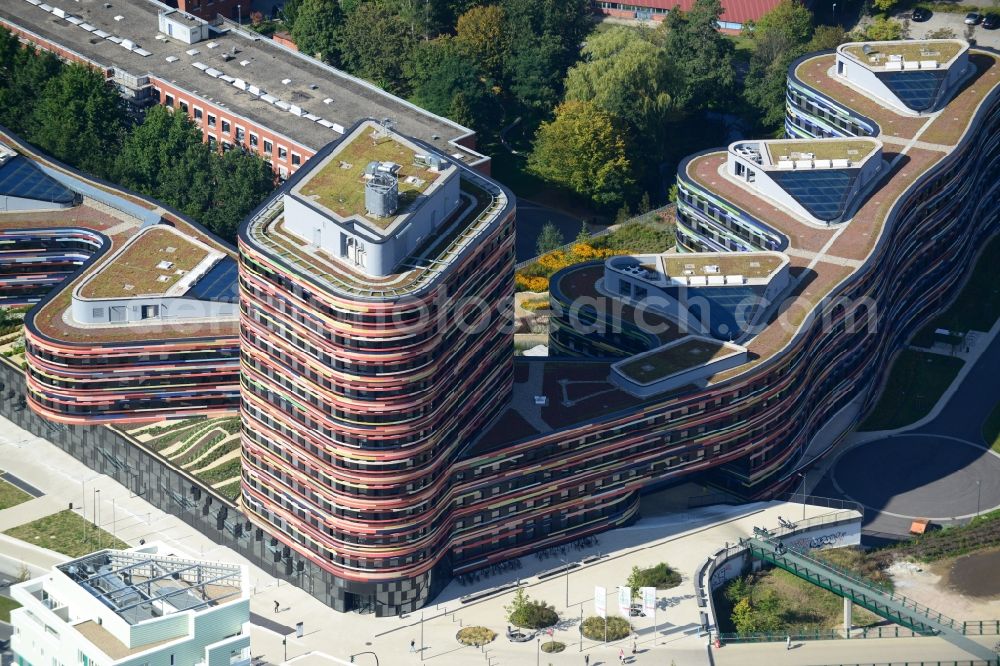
{"type": "Point", "coordinates": [918, 650]}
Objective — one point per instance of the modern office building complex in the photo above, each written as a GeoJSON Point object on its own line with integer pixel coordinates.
{"type": "Point", "coordinates": [817, 258]}
{"type": "Point", "coordinates": [243, 91]}
{"type": "Point", "coordinates": [145, 328]}
{"type": "Point", "coordinates": [133, 607]}
{"type": "Point", "coordinates": [389, 440]}
{"type": "Point", "coordinates": [373, 288]}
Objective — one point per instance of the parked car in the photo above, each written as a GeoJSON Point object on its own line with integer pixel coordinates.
{"type": "Point", "coordinates": [920, 15]}
{"type": "Point", "coordinates": [973, 18]}
{"type": "Point", "coordinates": [992, 21]}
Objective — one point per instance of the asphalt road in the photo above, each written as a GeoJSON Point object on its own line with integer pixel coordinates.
{"type": "Point", "coordinates": [531, 217]}
{"type": "Point", "coordinates": [943, 470]}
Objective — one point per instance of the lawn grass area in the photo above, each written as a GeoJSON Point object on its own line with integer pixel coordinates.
{"type": "Point", "coordinates": [991, 429]}
{"type": "Point", "coordinates": [916, 382]}
{"type": "Point", "coordinates": [788, 604]}
{"type": "Point", "coordinates": [67, 533]}
{"type": "Point", "coordinates": [6, 606]}
{"type": "Point", "coordinates": [977, 307]}
{"type": "Point", "coordinates": [11, 495]}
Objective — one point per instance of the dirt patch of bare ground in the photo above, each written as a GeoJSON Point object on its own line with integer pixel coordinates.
{"type": "Point", "coordinates": [963, 588]}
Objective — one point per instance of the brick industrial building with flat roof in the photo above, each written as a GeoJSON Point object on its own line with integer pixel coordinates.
{"type": "Point", "coordinates": [240, 88]}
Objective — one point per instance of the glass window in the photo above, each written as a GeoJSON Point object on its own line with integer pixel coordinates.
{"type": "Point", "coordinates": [184, 106]}
{"type": "Point", "coordinates": [169, 100]}
{"type": "Point", "coordinates": [197, 113]}
{"type": "Point", "coordinates": [225, 126]}
{"type": "Point", "coordinates": [253, 140]}
{"type": "Point", "coordinates": [282, 153]}
{"type": "Point", "coordinates": [211, 120]}
{"type": "Point", "coordinates": [296, 159]}
{"type": "Point", "coordinates": [267, 147]}
{"type": "Point", "coordinates": [240, 134]}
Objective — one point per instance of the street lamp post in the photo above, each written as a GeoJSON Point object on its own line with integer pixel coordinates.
{"type": "Point", "coordinates": [979, 496]}
{"type": "Point", "coordinates": [538, 651]}
{"type": "Point", "coordinates": [239, 14]}
{"type": "Point", "coordinates": [566, 564]}
{"type": "Point", "coordinates": [802, 474]}
{"type": "Point", "coordinates": [835, 12]}
{"type": "Point", "coordinates": [97, 517]}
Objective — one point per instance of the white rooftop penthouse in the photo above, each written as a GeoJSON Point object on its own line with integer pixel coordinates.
{"type": "Point", "coordinates": [910, 76]}
{"type": "Point", "coordinates": [134, 607]}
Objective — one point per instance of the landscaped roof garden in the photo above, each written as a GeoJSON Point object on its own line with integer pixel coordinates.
{"type": "Point", "coordinates": [338, 183]}
{"type": "Point", "coordinates": [854, 150]}
{"type": "Point", "coordinates": [941, 51]}
{"type": "Point", "coordinates": [671, 359]}
{"type": "Point", "coordinates": [151, 263]}
{"type": "Point", "coordinates": [750, 265]}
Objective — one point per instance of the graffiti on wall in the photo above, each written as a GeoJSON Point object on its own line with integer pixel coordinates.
{"type": "Point", "coordinates": [829, 540]}
{"type": "Point", "coordinates": [722, 574]}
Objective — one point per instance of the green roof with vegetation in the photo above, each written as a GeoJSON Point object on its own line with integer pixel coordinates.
{"type": "Point", "coordinates": [825, 149]}
{"type": "Point", "coordinates": [134, 272]}
{"type": "Point", "coordinates": [670, 360]}
{"type": "Point", "coordinates": [747, 264]}
{"type": "Point", "coordinates": [339, 184]}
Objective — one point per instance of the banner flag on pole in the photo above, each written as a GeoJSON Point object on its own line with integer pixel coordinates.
{"type": "Point", "coordinates": [600, 602]}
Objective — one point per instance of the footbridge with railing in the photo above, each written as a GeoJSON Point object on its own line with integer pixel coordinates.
{"type": "Point", "coordinates": [885, 603]}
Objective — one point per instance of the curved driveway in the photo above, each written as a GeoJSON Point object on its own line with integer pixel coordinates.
{"type": "Point", "coordinates": [942, 470]}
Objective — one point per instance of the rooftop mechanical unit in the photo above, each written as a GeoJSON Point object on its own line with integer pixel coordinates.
{"type": "Point", "coordinates": [381, 194]}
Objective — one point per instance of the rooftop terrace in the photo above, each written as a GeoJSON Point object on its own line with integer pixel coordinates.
{"type": "Point", "coordinates": [118, 228]}
{"type": "Point", "coordinates": [139, 586]}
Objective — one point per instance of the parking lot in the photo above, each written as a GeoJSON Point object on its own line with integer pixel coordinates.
{"type": "Point", "coordinates": [955, 22]}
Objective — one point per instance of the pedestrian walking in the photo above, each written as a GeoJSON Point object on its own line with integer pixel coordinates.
{"type": "Point", "coordinates": [586, 660]}
{"type": "Point", "coordinates": [413, 646]}
{"type": "Point", "coordinates": [788, 642]}
{"type": "Point", "coordinates": [277, 606]}
{"type": "Point", "coordinates": [621, 655]}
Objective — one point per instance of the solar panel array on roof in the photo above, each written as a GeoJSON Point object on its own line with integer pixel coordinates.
{"type": "Point", "coordinates": [19, 177]}
{"type": "Point", "coordinates": [218, 284]}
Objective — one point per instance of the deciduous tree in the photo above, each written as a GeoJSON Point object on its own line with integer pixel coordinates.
{"type": "Point", "coordinates": [628, 76]}
{"type": "Point", "coordinates": [583, 150]}
{"type": "Point", "coordinates": [316, 29]}
{"type": "Point", "coordinates": [79, 119]}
